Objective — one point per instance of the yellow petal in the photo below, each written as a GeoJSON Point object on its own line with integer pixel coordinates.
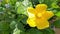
{"type": "Point", "coordinates": [41, 7]}
{"type": "Point", "coordinates": [31, 10]}
{"type": "Point", "coordinates": [31, 22]}
{"type": "Point", "coordinates": [48, 14]}
{"type": "Point", "coordinates": [31, 19]}
{"type": "Point", "coordinates": [42, 24]}
{"type": "Point", "coordinates": [30, 15]}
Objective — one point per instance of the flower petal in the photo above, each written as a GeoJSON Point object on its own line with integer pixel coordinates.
{"type": "Point", "coordinates": [42, 24]}
{"type": "Point", "coordinates": [30, 15]}
{"type": "Point", "coordinates": [41, 7]}
{"type": "Point", "coordinates": [31, 22]}
{"type": "Point", "coordinates": [48, 14]}
{"type": "Point", "coordinates": [31, 10]}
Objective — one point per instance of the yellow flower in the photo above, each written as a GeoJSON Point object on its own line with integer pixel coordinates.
{"type": "Point", "coordinates": [38, 16]}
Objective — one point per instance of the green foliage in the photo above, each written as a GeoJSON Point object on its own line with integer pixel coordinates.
{"type": "Point", "coordinates": [12, 24]}
{"type": "Point", "coordinates": [34, 31]}
{"type": "Point", "coordinates": [57, 23]}
{"type": "Point", "coordinates": [48, 31]}
{"type": "Point", "coordinates": [13, 16]}
{"type": "Point", "coordinates": [58, 14]}
{"type": "Point", "coordinates": [20, 26]}
{"type": "Point", "coordinates": [4, 25]}
{"type": "Point", "coordinates": [20, 9]}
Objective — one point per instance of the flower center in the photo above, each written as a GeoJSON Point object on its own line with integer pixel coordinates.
{"type": "Point", "coordinates": [39, 15]}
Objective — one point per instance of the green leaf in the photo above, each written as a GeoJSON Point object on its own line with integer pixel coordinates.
{"type": "Point", "coordinates": [16, 31]}
{"type": "Point", "coordinates": [20, 26]}
{"type": "Point", "coordinates": [57, 23]}
{"type": "Point", "coordinates": [34, 31]}
{"type": "Point", "coordinates": [19, 29]}
{"type": "Point", "coordinates": [4, 25]}
{"type": "Point", "coordinates": [20, 9]}
{"type": "Point", "coordinates": [12, 2]}
{"type": "Point", "coordinates": [58, 14]}
{"type": "Point", "coordinates": [4, 32]}
{"type": "Point", "coordinates": [12, 24]}
{"type": "Point", "coordinates": [54, 5]}
{"type": "Point", "coordinates": [21, 0]}
{"type": "Point", "coordinates": [41, 1]}
{"type": "Point", "coordinates": [48, 31]}
{"type": "Point", "coordinates": [22, 18]}
{"type": "Point", "coordinates": [48, 2]}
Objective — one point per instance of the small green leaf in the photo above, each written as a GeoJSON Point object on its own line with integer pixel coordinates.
{"type": "Point", "coordinates": [12, 24]}
{"type": "Point", "coordinates": [58, 14]}
{"type": "Point", "coordinates": [54, 5]}
{"type": "Point", "coordinates": [22, 18]}
{"type": "Point", "coordinates": [48, 2]}
{"type": "Point", "coordinates": [34, 31]}
{"type": "Point", "coordinates": [4, 32]}
{"type": "Point", "coordinates": [19, 29]}
{"type": "Point", "coordinates": [16, 31]}
{"type": "Point", "coordinates": [20, 9]}
{"type": "Point", "coordinates": [20, 26]}
{"type": "Point", "coordinates": [57, 23]}
{"type": "Point", "coordinates": [48, 31]}
{"type": "Point", "coordinates": [21, 0]}
{"type": "Point", "coordinates": [4, 25]}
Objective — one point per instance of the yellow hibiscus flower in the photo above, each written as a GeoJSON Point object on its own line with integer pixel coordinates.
{"type": "Point", "coordinates": [39, 16]}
